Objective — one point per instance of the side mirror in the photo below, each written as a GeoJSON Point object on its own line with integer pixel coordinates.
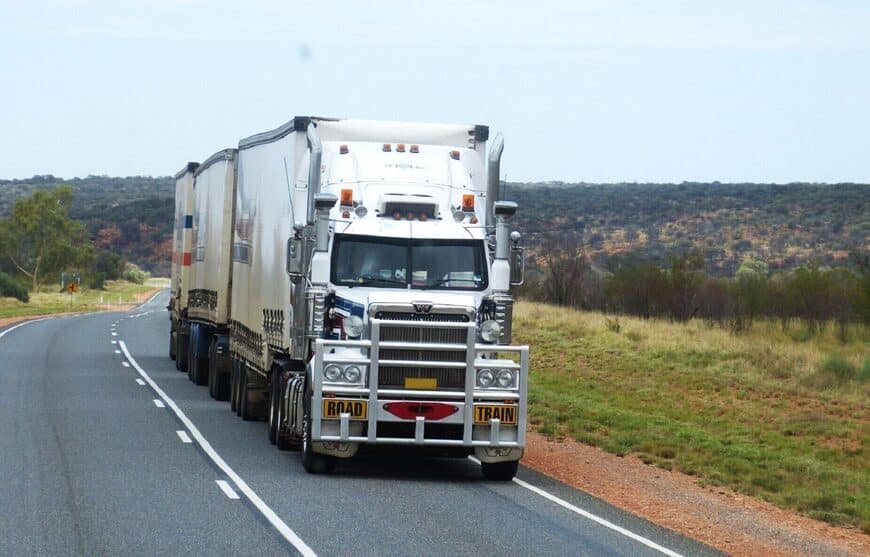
{"type": "Point", "coordinates": [517, 260]}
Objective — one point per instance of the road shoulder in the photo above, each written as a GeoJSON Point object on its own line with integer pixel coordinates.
{"type": "Point", "coordinates": [733, 523]}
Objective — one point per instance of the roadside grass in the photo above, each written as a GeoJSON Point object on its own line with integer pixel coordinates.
{"type": "Point", "coordinates": [51, 301]}
{"type": "Point", "coordinates": [780, 419]}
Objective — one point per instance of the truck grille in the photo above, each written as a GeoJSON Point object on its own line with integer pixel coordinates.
{"type": "Point", "coordinates": [393, 377]}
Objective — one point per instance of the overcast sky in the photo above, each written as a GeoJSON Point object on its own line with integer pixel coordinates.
{"type": "Point", "coordinates": [583, 90]}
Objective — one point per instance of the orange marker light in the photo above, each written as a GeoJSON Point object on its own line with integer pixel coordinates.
{"type": "Point", "coordinates": [400, 148]}
{"type": "Point", "coordinates": [415, 148]}
{"type": "Point", "coordinates": [387, 147]}
{"type": "Point", "coordinates": [454, 155]}
{"type": "Point", "coordinates": [347, 197]}
{"type": "Point", "coordinates": [397, 215]}
{"type": "Point", "coordinates": [468, 202]}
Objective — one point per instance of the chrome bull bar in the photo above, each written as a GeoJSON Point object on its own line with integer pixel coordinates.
{"type": "Point", "coordinates": [464, 400]}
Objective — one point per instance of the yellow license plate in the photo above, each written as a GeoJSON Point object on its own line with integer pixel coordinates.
{"type": "Point", "coordinates": [333, 408]}
{"type": "Point", "coordinates": [505, 413]}
{"type": "Point", "coordinates": [425, 383]}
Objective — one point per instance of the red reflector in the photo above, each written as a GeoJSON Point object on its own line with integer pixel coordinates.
{"type": "Point", "coordinates": [429, 410]}
{"type": "Point", "coordinates": [345, 215]}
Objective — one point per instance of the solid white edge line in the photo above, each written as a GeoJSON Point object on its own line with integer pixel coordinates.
{"type": "Point", "coordinates": [159, 403]}
{"type": "Point", "coordinates": [286, 532]}
{"type": "Point", "coordinates": [594, 518]}
{"type": "Point", "coordinates": [185, 438]}
{"type": "Point", "coordinates": [139, 381]}
{"type": "Point", "coordinates": [228, 491]}
{"type": "Point", "coordinates": [13, 327]}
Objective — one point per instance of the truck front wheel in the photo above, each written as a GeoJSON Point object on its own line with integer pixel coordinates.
{"type": "Point", "coordinates": [314, 463]}
{"type": "Point", "coordinates": [499, 471]}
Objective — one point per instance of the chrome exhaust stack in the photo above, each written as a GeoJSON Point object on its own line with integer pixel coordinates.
{"type": "Point", "coordinates": [493, 171]}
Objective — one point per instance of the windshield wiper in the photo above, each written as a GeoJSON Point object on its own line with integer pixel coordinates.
{"type": "Point", "coordinates": [369, 279]}
{"type": "Point", "coordinates": [441, 281]}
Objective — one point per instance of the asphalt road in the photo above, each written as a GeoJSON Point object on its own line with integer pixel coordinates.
{"type": "Point", "coordinates": [105, 454]}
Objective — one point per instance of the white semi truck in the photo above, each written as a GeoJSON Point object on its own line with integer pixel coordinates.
{"type": "Point", "coordinates": [364, 296]}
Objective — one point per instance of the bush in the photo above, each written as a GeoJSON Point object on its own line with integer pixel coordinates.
{"type": "Point", "coordinates": [864, 374]}
{"type": "Point", "coordinates": [132, 273]}
{"type": "Point", "coordinates": [839, 367]}
{"type": "Point", "coordinates": [9, 287]}
{"type": "Point", "coordinates": [98, 281]}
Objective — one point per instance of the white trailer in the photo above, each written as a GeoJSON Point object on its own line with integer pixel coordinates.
{"type": "Point", "coordinates": [214, 193]}
{"type": "Point", "coordinates": [181, 256]}
{"type": "Point", "coordinates": [370, 305]}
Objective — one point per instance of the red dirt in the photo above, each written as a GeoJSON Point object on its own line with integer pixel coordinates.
{"type": "Point", "coordinates": [731, 522]}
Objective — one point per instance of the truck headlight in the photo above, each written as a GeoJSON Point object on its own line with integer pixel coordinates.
{"type": "Point", "coordinates": [353, 326]}
{"type": "Point", "coordinates": [332, 373]}
{"type": "Point", "coordinates": [485, 377]}
{"type": "Point", "coordinates": [490, 330]}
{"type": "Point", "coordinates": [505, 378]}
{"type": "Point", "coordinates": [352, 374]}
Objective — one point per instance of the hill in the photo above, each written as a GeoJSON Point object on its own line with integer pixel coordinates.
{"type": "Point", "coordinates": [786, 225]}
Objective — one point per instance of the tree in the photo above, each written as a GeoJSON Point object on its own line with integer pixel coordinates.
{"type": "Point", "coordinates": [40, 239]}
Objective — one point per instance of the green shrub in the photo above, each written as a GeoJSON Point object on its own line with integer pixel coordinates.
{"type": "Point", "coordinates": [98, 281]}
{"type": "Point", "coordinates": [9, 287]}
{"type": "Point", "coordinates": [864, 374]}
{"type": "Point", "coordinates": [132, 273]}
{"type": "Point", "coordinates": [839, 367]}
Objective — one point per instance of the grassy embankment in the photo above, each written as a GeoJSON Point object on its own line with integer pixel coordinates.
{"type": "Point", "coordinates": [51, 301]}
{"type": "Point", "coordinates": [778, 415]}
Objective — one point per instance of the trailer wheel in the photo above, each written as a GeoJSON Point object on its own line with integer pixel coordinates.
{"type": "Point", "coordinates": [314, 463]}
{"type": "Point", "coordinates": [234, 371]}
{"type": "Point", "coordinates": [181, 343]}
{"type": "Point", "coordinates": [245, 410]}
{"type": "Point", "coordinates": [499, 471]}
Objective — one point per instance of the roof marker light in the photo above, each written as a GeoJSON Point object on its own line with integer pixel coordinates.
{"type": "Point", "coordinates": [468, 202]}
{"type": "Point", "coordinates": [342, 150]}
{"type": "Point", "coordinates": [415, 148]}
{"type": "Point", "coordinates": [347, 197]}
{"type": "Point", "coordinates": [454, 155]}
{"type": "Point", "coordinates": [397, 215]}
{"type": "Point", "coordinates": [387, 147]}
{"type": "Point", "coordinates": [400, 148]}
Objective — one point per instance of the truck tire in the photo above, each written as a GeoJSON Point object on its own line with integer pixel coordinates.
{"type": "Point", "coordinates": [181, 347]}
{"type": "Point", "coordinates": [499, 471]}
{"type": "Point", "coordinates": [172, 342]}
{"type": "Point", "coordinates": [314, 463]}
{"type": "Point", "coordinates": [234, 371]}
{"type": "Point", "coordinates": [218, 383]}
{"type": "Point", "coordinates": [197, 366]}
{"type": "Point", "coordinates": [245, 406]}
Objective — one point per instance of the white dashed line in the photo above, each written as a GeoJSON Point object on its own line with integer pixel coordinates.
{"type": "Point", "coordinates": [159, 403]}
{"type": "Point", "coordinates": [117, 351]}
{"type": "Point", "coordinates": [114, 334]}
{"type": "Point", "coordinates": [594, 518]}
{"type": "Point", "coordinates": [185, 438]}
{"type": "Point", "coordinates": [140, 382]}
{"type": "Point", "coordinates": [286, 532]}
{"type": "Point", "coordinates": [114, 342]}
{"type": "Point", "coordinates": [125, 364]}
{"type": "Point", "coordinates": [228, 491]}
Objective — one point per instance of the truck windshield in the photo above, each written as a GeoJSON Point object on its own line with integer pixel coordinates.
{"type": "Point", "coordinates": [399, 263]}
